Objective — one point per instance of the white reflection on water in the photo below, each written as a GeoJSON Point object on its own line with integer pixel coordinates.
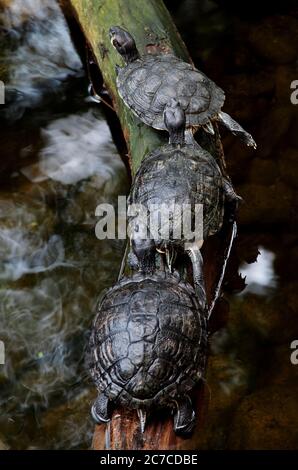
{"type": "Point", "coordinates": [19, 258]}
{"type": "Point", "coordinates": [52, 267]}
{"type": "Point", "coordinates": [44, 56]}
{"type": "Point", "coordinates": [260, 276]}
{"type": "Point", "coordinates": [76, 147]}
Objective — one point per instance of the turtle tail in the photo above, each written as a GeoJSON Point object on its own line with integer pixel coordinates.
{"type": "Point", "coordinates": [142, 417]}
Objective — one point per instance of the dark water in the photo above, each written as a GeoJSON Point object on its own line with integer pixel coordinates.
{"type": "Point", "coordinates": [58, 162]}
{"type": "Point", "coordinates": [248, 49]}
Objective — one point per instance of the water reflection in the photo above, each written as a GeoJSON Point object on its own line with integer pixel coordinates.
{"type": "Point", "coordinates": [260, 276]}
{"type": "Point", "coordinates": [37, 55]}
{"type": "Point", "coordinates": [75, 147]}
{"type": "Point", "coordinates": [52, 267]}
{"type": "Point", "coordinates": [19, 259]}
{"type": "Point", "coordinates": [52, 270]}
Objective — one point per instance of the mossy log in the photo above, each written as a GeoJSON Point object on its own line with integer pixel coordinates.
{"type": "Point", "coordinates": [154, 32]}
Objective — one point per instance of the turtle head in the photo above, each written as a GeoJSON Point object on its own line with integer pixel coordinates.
{"type": "Point", "coordinates": [174, 119]}
{"type": "Point", "coordinates": [124, 43]}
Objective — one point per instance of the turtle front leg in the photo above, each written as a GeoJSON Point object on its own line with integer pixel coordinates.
{"type": "Point", "coordinates": [142, 248]}
{"type": "Point", "coordinates": [117, 69]}
{"type": "Point", "coordinates": [236, 129]}
{"type": "Point", "coordinates": [184, 417]}
{"type": "Point", "coordinates": [99, 410]}
{"type": "Point", "coordinates": [195, 255]}
{"type": "Point", "coordinates": [133, 261]}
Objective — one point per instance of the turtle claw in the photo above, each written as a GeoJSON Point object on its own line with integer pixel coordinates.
{"type": "Point", "coordinates": [142, 417]}
{"type": "Point", "coordinates": [208, 127]}
{"type": "Point", "coordinates": [92, 95]}
{"type": "Point", "coordinates": [99, 410]}
{"type": "Point", "coordinates": [184, 418]}
{"type": "Point", "coordinates": [252, 143]}
{"type": "Point", "coordinates": [170, 257]}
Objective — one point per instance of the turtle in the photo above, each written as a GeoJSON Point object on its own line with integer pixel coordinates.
{"type": "Point", "coordinates": [146, 83]}
{"type": "Point", "coordinates": [148, 348]}
{"type": "Point", "coordinates": [177, 173]}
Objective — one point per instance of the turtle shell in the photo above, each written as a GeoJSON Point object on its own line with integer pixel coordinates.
{"type": "Point", "coordinates": [148, 341]}
{"type": "Point", "coordinates": [147, 84]}
{"type": "Point", "coordinates": [186, 175]}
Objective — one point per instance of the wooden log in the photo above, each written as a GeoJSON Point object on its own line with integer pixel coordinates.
{"type": "Point", "coordinates": [154, 31]}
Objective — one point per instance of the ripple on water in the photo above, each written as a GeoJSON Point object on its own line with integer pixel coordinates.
{"type": "Point", "coordinates": [52, 266]}
{"type": "Point", "coordinates": [38, 53]}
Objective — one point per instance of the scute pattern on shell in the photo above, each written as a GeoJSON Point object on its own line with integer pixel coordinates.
{"type": "Point", "coordinates": [148, 341]}
{"type": "Point", "coordinates": [147, 84]}
{"type": "Point", "coordinates": [189, 175]}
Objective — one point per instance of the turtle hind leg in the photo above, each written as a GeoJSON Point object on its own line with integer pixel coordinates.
{"type": "Point", "coordinates": [232, 198]}
{"type": "Point", "coordinates": [236, 129]}
{"type": "Point", "coordinates": [100, 409]}
{"type": "Point", "coordinates": [196, 258]}
{"type": "Point", "coordinates": [230, 193]}
{"type": "Point", "coordinates": [184, 417]}
{"type": "Point", "coordinates": [233, 234]}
